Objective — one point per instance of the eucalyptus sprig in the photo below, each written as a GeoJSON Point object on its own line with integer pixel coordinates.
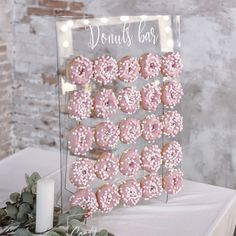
{"type": "Point", "coordinates": [18, 217]}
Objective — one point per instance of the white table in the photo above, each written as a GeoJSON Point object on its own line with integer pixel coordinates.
{"type": "Point", "coordinates": [198, 210]}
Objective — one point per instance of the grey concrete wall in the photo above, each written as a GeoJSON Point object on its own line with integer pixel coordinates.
{"type": "Point", "coordinates": [208, 34]}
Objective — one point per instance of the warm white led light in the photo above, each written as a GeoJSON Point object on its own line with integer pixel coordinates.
{"type": "Point", "coordinates": [143, 17]}
{"type": "Point", "coordinates": [167, 29]}
{"type": "Point", "coordinates": [166, 18]}
{"type": "Point", "coordinates": [170, 43]}
{"type": "Point", "coordinates": [70, 23]}
{"type": "Point", "coordinates": [86, 21]}
{"type": "Point", "coordinates": [124, 18]}
{"type": "Point", "coordinates": [104, 20]}
{"type": "Point", "coordinates": [65, 44]}
{"type": "Point", "coordinates": [64, 28]}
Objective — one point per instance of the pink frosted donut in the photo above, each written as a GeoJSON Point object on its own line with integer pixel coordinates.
{"type": "Point", "coordinates": [130, 130]}
{"type": "Point", "coordinates": [128, 69]}
{"type": "Point", "coordinates": [107, 135]}
{"type": "Point", "coordinates": [130, 192]}
{"type": "Point", "coordinates": [81, 172]}
{"type": "Point", "coordinates": [86, 199]}
{"type": "Point", "coordinates": [173, 181]}
{"type": "Point", "coordinates": [150, 65]}
{"type": "Point", "coordinates": [80, 105]}
{"type": "Point", "coordinates": [172, 123]}
{"type": "Point", "coordinates": [150, 96]}
{"type": "Point", "coordinates": [151, 128]}
{"type": "Point", "coordinates": [106, 167]}
{"type": "Point", "coordinates": [151, 186]}
{"type": "Point", "coordinates": [80, 140]}
{"type": "Point", "coordinates": [80, 70]}
{"type": "Point", "coordinates": [129, 99]}
{"type": "Point", "coordinates": [172, 154]}
{"type": "Point", "coordinates": [129, 162]}
{"type": "Point", "coordinates": [108, 197]}
{"type": "Point", "coordinates": [171, 93]}
{"type": "Point", "coordinates": [105, 70]}
{"type": "Point", "coordinates": [171, 64]}
{"type": "Point", "coordinates": [151, 158]}
{"type": "Point", "coordinates": [105, 103]}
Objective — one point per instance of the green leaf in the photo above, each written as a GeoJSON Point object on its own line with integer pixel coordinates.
{"type": "Point", "coordinates": [62, 219]}
{"type": "Point", "coordinates": [27, 197]}
{"type": "Point", "coordinates": [2, 212]}
{"type": "Point", "coordinates": [53, 233]}
{"type": "Point", "coordinates": [21, 217]}
{"type": "Point", "coordinates": [103, 232]}
{"type": "Point", "coordinates": [27, 189]}
{"type": "Point", "coordinates": [11, 211]}
{"type": "Point", "coordinates": [74, 223]}
{"type": "Point", "coordinates": [14, 224]}
{"type": "Point", "coordinates": [22, 232]}
{"type": "Point", "coordinates": [77, 213]}
{"type": "Point", "coordinates": [77, 217]}
{"type": "Point", "coordinates": [28, 180]}
{"type": "Point", "coordinates": [24, 208]}
{"type": "Point", "coordinates": [34, 189]}
{"type": "Point", "coordinates": [60, 231]}
{"type": "Point", "coordinates": [76, 210]}
{"type": "Point", "coordinates": [14, 197]}
{"type": "Point", "coordinates": [35, 177]}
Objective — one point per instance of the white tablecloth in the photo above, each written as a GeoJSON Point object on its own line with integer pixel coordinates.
{"type": "Point", "coordinates": [198, 210]}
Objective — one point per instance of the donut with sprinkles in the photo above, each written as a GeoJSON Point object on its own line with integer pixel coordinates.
{"type": "Point", "coordinates": [173, 181]}
{"type": "Point", "coordinates": [171, 64]}
{"type": "Point", "coordinates": [80, 140]}
{"type": "Point", "coordinates": [86, 199]}
{"type": "Point", "coordinates": [130, 193]}
{"type": "Point", "coordinates": [130, 130]}
{"type": "Point", "coordinates": [80, 70]}
{"type": "Point", "coordinates": [172, 123]}
{"type": "Point", "coordinates": [150, 65]}
{"type": "Point", "coordinates": [151, 128]}
{"type": "Point", "coordinates": [172, 154]}
{"type": "Point", "coordinates": [128, 69]}
{"type": "Point", "coordinates": [129, 162]}
{"type": "Point", "coordinates": [151, 158]}
{"type": "Point", "coordinates": [107, 166]}
{"type": "Point", "coordinates": [151, 186]}
{"type": "Point", "coordinates": [172, 93]}
{"type": "Point", "coordinates": [80, 105]}
{"type": "Point", "coordinates": [150, 96]}
{"type": "Point", "coordinates": [105, 70]}
{"type": "Point", "coordinates": [129, 99]}
{"type": "Point", "coordinates": [108, 197]}
{"type": "Point", "coordinates": [82, 172]}
{"type": "Point", "coordinates": [105, 103]}
{"type": "Point", "coordinates": [107, 135]}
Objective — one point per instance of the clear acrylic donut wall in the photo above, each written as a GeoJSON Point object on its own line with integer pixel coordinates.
{"type": "Point", "coordinates": [120, 102]}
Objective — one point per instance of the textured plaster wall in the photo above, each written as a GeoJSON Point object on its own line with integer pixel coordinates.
{"type": "Point", "coordinates": [6, 109]}
{"type": "Point", "coordinates": [208, 34]}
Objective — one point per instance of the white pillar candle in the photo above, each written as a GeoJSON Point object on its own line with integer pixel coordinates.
{"type": "Point", "coordinates": [44, 205]}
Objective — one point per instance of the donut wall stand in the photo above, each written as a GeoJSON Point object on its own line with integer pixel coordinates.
{"type": "Point", "coordinates": [121, 126]}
